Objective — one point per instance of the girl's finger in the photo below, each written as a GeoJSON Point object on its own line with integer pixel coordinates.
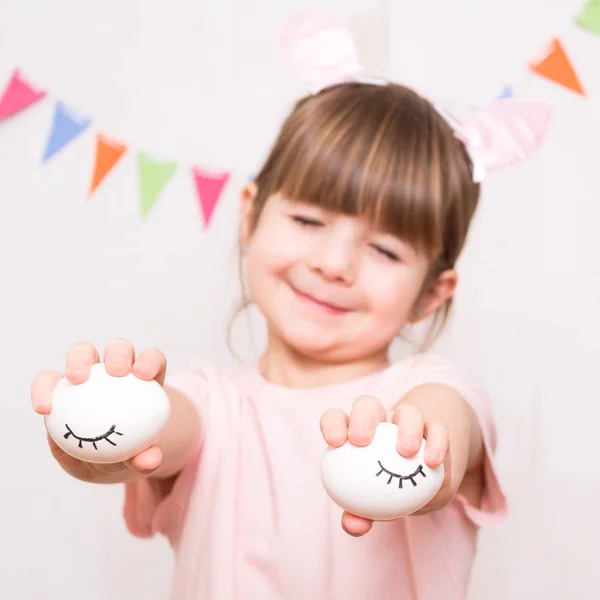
{"type": "Point", "coordinates": [41, 391]}
{"type": "Point", "coordinates": [355, 526]}
{"type": "Point", "coordinates": [411, 423]}
{"type": "Point", "coordinates": [436, 445]}
{"type": "Point", "coordinates": [334, 427]}
{"type": "Point", "coordinates": [118, 357]}
{"type": "Point", "coordinates": [150, 364]}
{"type": "Point", "coordinates": [366, 413]}
{"type": "Point", "coordinates": [80, 358]}
{"type": "Point", "coordinates": [147, 460]}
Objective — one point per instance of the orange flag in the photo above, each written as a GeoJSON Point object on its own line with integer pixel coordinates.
{"type": "Point", "coordinates": [108, 153]}
{"type": "Point", "coordinates": [555, 65]}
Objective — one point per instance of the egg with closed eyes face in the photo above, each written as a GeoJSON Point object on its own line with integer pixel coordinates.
{"type": "Point", "coordinates": [375, 481]}
{"type": "Point", "coordinates": [107, 419]}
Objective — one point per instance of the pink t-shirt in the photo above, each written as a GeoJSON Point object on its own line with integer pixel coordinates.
{"type": "Point", "coordinates": [248, 517]}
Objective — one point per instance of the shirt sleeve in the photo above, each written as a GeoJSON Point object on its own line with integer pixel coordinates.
{"type": "Point", "coordinates": [431, 368]}
{"type": "Point", "coordinates": [149, 505]}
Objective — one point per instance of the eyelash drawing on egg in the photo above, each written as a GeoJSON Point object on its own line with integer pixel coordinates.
{"type": "Point", "coordinates": [401, 478]}
{"type": "Point", "coordinates": [93, 441]}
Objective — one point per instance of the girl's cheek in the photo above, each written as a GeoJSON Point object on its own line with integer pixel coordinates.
{"type": "Point", "coordinates": [388, 292]}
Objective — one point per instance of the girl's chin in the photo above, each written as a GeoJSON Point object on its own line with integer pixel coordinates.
{"type": "Point", "coordinates": [321, 346]}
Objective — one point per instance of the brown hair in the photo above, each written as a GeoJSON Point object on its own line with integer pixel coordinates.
{"type": "Point", "coordinates": [381, 152]}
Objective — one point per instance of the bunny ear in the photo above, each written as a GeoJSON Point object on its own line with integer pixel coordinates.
{"type": "Point", "coordinates": [320, 49]}
{"type": "Point", "coordinates": [505, 132]}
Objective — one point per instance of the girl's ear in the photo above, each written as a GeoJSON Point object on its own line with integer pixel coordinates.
{"type": "Point", "coordinates": [439, 291]}
{"type": "Point", "coordinates": [247, 196]}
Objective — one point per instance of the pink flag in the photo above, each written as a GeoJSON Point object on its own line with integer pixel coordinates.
{"type": "Point", "coordinates": [19, 94]}
{"type": "Point", "coordinates": [209, 187]}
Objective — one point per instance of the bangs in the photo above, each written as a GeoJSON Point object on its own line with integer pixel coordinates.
{"type": "Point", "coordinates": [368, 151]}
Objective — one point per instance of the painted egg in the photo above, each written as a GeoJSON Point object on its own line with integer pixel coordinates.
{"type": "Point", "coordinates": [375, 481]}
{"type": "Point", "coordinates": [107, 419]}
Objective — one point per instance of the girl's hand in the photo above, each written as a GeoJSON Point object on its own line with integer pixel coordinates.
{"type": "Point", "coordinates": [359, 428]}
{"type": "Point", "coordinates": [120, 360]}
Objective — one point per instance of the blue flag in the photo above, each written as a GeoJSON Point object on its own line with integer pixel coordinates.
{"type": "Point", "coordinates": [506, 92]}
{"type": "Point", "coordinates": [67, 125]}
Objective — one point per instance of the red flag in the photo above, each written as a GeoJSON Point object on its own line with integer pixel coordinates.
{"type": "Point", "coordinates": [18, 94]}
{"type": "Point", "coordinates": [209, 187]}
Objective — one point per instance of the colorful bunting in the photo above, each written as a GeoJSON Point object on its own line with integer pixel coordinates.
{"type": "Point", "coordinates": [108, 153]}
{"type": "Point", "coordinates": [67, 125]}
{"type": "Point", "coordinates": [209, 187]}
{"type": "Point", "coordinates": [556, 66]}
{"type": "Point", "coordinates": [589, 17]}
{"type": "Point", "coordinates": [153, 176]}
{"type": "Point", "coordinates": [18, 94]}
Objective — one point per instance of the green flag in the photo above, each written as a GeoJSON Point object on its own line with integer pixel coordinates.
{"type": "Point", "coordinates": [153, 175]}
{"type": "Point", "coordinates": [589, 17]}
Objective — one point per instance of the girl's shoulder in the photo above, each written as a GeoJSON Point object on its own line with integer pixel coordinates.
{"type": "Point", "coordinates": [430, 367]}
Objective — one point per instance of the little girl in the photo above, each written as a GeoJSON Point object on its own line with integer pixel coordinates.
{"type": "Point", "coordinates": [350, 231]}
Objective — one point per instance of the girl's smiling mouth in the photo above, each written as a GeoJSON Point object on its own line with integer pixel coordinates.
{"type": "Point", "coordinates": [313, 302]}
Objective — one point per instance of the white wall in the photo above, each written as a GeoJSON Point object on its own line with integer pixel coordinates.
{"type": "Point", "coordinates": [527, 316]}
{"type": "Point", "coordinates": [200, 82]}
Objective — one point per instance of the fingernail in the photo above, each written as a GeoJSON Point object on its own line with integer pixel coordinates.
{"type": "Point", "coordinates": [76, 371]}
{"type": "Point", "coordinates": [118, 363]}
{"type": "Point", "coordinates": [360, 432]}
{"type": "Point", "coordinates": [349, 532]}
{"type": "Point", "coordinates": [410, 443]}
{"type": "Point", "coordinates": [40, 407]}
{"type": "Point", "coordinates": [142, 367]}
{"type": "Point", "coordinates": [147, 470]}
{"type": "Point", "coordinates": [433, 455]}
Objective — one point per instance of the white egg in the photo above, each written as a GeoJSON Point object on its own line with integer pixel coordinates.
{"type": "Point", "coordinates": [107, 419]}
{"type": "Point", "coordinates": [375, 481]}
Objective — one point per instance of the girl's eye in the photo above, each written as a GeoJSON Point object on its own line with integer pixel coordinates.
{"type": "Point", "coordinates": [387, 253]}
{"type": "Point", "coordinates": [306, 221]}
{"type": "Point", "coordinates": [401, 478]}
{"type": "Point", "coordinates": [104, 436]}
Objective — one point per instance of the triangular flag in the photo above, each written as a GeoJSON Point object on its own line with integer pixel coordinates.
{"type": "Point", "coordinates": [154, 175]}
{"type": "Point", "coordinates": [108, 153]}
{"type": "Point", "coordinates": [589, 17]}
{"type": "Point", "coordinates": [67, 126]}
{"type": "Point", "coordinates": [555, 65]}
{"type": "Point", "coordinates": [18, 94]}
{"type": "Point", "coordinates": [209, 187]}
{"type": "Point", "coordinates": [507, 92]}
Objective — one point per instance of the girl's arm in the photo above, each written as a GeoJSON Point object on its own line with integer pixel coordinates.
{"type": "Point", "coordinates": [180, 438]}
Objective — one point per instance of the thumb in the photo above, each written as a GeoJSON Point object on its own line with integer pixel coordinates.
{"type": "Point", "coordinates": [147, 460]}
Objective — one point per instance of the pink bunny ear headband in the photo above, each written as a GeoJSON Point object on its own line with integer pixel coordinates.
{"type": "Point", "coordinates": [321, 51]}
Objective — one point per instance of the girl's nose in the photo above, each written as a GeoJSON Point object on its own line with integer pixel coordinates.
{"type": "Point", "coordinates": [335, 259]}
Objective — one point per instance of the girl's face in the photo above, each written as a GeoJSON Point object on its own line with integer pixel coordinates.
{"type": "Point", "coordinates": [330, 287]}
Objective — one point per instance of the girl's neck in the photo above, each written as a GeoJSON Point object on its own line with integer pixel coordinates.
{"type": "Point", "coordinates": [284, 366]}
